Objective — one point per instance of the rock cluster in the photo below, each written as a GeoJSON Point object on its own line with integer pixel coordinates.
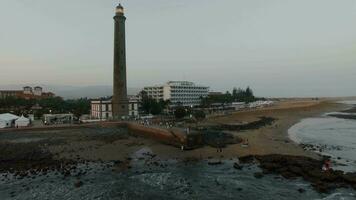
{"type": "Point", "coordinates": [309, 169]}
{"type": "Point", "coordinates": [32, 162]}
{"type": "Point", "coordinates": [262, 122]}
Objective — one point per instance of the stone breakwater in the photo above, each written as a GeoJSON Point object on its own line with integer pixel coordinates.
{"type": "Point", "coordinates": [291, 167]}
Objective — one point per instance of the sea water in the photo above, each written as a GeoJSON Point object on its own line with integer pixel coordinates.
{"type": "Point", "coordinates": [175, 181]}
{"type": "Point", "coordinates": [335, 136]}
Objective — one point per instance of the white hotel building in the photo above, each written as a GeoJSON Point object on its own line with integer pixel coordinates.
{"type": "Point", "coordinates": [178, 92]}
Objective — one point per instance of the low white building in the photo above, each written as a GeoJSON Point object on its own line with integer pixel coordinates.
{"type": "Point", "coordinates": [54, 119]}
{"type": "Point", "coordinates": [7, 120]}
{"type": "Point", "coordinates": [238, 105]}
{"type": "Point", "coordinates": [260, 104]}
{"type": "Point", "coordinates": [102, 109]}
{"type": "Point", "coordinates": [133, 106]}
{"type": "Point", "coordinates": [178, 93]}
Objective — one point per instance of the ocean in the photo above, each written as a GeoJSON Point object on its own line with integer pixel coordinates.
{"type": "Point", "coordinates": [175, 181]}
{"type": "Point", "coordinates": [332, 136]}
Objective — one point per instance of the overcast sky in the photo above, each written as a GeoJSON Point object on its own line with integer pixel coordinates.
{"type": "Point", "coordinates": [278, 47]}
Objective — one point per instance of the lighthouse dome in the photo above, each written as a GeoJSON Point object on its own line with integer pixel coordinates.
{"type": "Point", "coordinates": [120, 9]}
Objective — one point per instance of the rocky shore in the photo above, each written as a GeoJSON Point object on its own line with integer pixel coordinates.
{"type": "Point", "coordinates": [31, 161]}
{"type": "Point", "coordinates": [65, 152]}
{"type": "Point", "coordinates": [41, 163]}
{"type": "Point", "coordinates": [261, 122]}
{"type": "Point", "coordinates": [291, 167]}
{"type": "Point", "coordinates": [346, 114]}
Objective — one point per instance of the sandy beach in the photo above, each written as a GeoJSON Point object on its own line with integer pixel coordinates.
{"type": "Point", "coordinates": [263, 141]}
{"type": "Point", "coordinates": [27, 154]}
{"type": "Point", "coordinates": [102, 144]}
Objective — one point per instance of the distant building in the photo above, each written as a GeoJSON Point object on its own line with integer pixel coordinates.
{"type": "Point", "coordinates": [55, 119]}
{"type": "Point", "coordinates": [37, 91]}
{"type": "Point", "coordinates": [102, 108]}
{"type": "Point", "coordinates": [134, 105]}
{"type": "Point", "coordinates": [11, 93]}
{"type": "Point", "coordinates": [178, 93]}
{"type": "Point", "coordinates": [27, 93]}
{"type": "Point", "coordinates": [27, 90]}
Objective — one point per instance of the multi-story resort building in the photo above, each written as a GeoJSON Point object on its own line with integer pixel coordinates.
{"type": "Point", "coordinates": [26, 93]}
{"type": "Point", "coordinates": [178, 93]}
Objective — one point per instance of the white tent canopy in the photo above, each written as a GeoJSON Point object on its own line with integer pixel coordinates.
{"type": "Point", "coordinates": [7, 120]}
{"type": "Point", "coordinates": [22, 122]}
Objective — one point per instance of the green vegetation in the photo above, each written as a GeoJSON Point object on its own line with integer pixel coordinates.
{"type": "Point", "coordinates": [152, 106]}
{"type": "Point", "coordinates": [199, 115]}
{"type": "Point", "coordinates": [180, 112]}
{"type": "Point", "coordinates": [44, 106]}
{"type": "Point", "coordinates": [237, 95]}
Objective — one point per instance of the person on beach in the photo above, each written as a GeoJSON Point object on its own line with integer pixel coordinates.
{"type": "Point", "coordinates": [245, 143]}
{"type": "Point", "coordinates": [327, 165]}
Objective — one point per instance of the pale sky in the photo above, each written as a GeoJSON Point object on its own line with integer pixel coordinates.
{"type": "Point", "coordinates": [278, 47]}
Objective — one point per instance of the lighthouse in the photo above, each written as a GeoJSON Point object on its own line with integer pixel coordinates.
{"type": "Point", "coordinates": [119, 100]}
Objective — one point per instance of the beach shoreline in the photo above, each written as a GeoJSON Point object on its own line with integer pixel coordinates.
{"type": "Point", "coordinates": [61, 151]}
{"type": "Point", "coordinates": [270, 139]}
{"type": "Point", "coordinates": [94, 143]}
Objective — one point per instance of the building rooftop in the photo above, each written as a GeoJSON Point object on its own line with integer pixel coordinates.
{"type": "Point", "coordinates": [8, 116]}
{"type": "Point", "coordinates": [176, 83]}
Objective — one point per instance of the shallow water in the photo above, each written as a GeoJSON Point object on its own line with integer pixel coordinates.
{"type": "Point", "coordinates": [176, 181]}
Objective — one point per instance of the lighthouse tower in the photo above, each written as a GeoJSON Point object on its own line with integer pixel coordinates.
{"type": "Point", "coordinates": [119, 100]}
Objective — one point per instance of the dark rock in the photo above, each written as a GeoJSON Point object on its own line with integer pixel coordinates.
{"type": "Point", "coordinates": [258, 175]}
{"type": "Point", "coordinates": [116, 162]}
{"type": "Point", "coordinates": [350, 178]}
{"type": "Point", "coordinates": [309, 169]}
{"type": "Point", "coordinates": [301, 190]}
{"type": "Point", "coordinates": [237, 166]}
{"type": "Point", "coordinates": [322, 187]}
{"type": "Point", "coordinates": [246, 159]}
{"type": "Point", "coordinates": [215, 163]}
{"type": "Point", "coordinates": [288, 175]}
{"type": "Point", "coordinates": [78, 184]}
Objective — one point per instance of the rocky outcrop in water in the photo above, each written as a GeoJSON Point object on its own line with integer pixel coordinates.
{"type": "Point", "coordinates": [309, 169]}
{"type": "Point", "coordinates": [343, 116]}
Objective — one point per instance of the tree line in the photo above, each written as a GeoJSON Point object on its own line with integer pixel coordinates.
{"type": "Point", "coordinates": [54, 105]}
{"type": "Point", "coordinates": [237, 95]}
